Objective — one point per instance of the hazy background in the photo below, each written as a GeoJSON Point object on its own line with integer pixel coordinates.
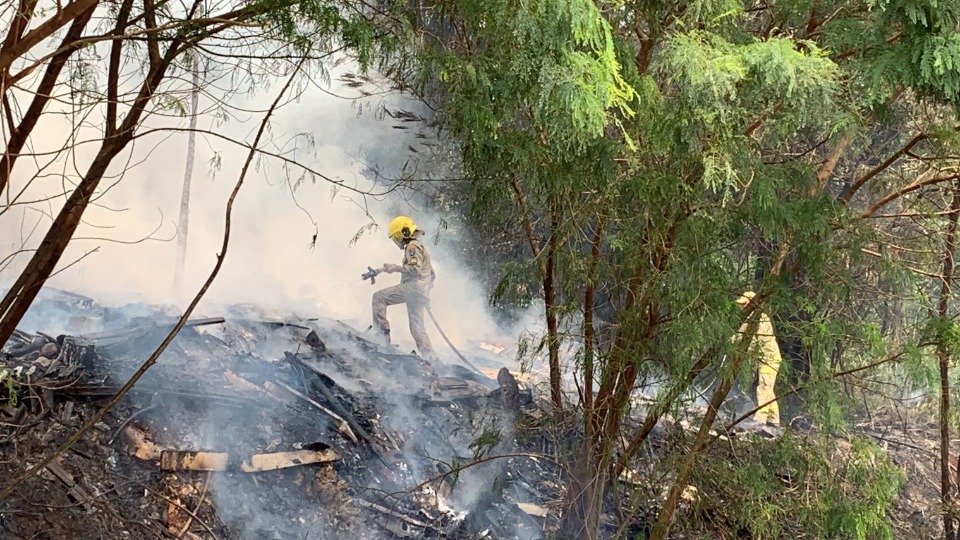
{"type": "Point", "coordinates": [128, 237]}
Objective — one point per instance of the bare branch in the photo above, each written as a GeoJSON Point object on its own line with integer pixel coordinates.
{"type": "Point", "coordinates": [113, 71]}
{"type": "Point", "coordinates": [42, 95]}
{"type": "Point", "coordinates": [885, 165]}
{"type": "Point", "coordinates": [886, 199]}
{"type": "Point", "coordinates": [33, 38]}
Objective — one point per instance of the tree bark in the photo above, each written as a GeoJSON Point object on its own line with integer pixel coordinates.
{"type": "Point", "coordinates": [656, 412]}
{"type": "Point", "coordinates": [20, 23]}
{"type": "Point", "coordinates": [589, 335]}
{"type": "Point", "coordinates": [547, 270]}
{"type": "Point", "coordinates": [943, 355]}
{"type": "Point", "coordinates": [550, 305]}
{"type": "Point", "coordinates": [152, 359]}
{"type": "Point", "coordinates": [639, 321]}
{"type": "Point", "coordinates": [113, 71]}
{"type": "Point", "coordinates": [702, 439]}
{"type": "Point", "coordinates": [19, 46]}
{"type": "Point", "coordinates": [665, 517]}
{"type": "Point", "coordinates": [587, 485]}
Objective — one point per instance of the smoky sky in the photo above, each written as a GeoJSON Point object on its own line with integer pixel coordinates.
{"type": "Point", "coordinates": [125, 249]}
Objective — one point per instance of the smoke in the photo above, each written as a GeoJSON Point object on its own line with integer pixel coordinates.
{"type": "Point", "coordinates": [298, 243]}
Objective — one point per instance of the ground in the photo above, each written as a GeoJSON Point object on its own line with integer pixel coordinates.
{"type": "Point", "coordinates": [250, 383]}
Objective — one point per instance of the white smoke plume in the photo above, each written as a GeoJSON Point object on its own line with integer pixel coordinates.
{"type": "Point", "coordinates": [273, 259]}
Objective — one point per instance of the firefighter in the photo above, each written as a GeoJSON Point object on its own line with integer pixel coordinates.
{"type": "Point", "coordinates": [416, 280]}
{"type": "Point", "coordinates": [764, 345]}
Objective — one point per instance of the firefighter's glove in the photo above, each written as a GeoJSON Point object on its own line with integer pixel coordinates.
{"type": "Point", "coordinates": [370, 274]}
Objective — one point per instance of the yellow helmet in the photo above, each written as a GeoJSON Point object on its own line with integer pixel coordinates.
{"type": "Point", "coordinates": [400, 228]}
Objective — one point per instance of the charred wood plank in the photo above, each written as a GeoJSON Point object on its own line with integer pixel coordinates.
{"type": "Point", "coordinates": [110, 336]}
{"type": "Point", "coordinates": [205, 322]}
{"type": "Point", "coordinates": [75, 492]}
{"type": "Point", "coordinates": [140, 445]}
{"type": "Point", "coordinates": [281, 324]}
{"type": "Point", "coordinates": [314, 341]}
{"type": "Point", "coordinates": [67, 412]}
{"type": "Point", "coordinates": [323, 388]}
{"type": "Point", "coordinates": [179, 460]}
{"type": "Point", "coordinates": [282, 460]}
{"type": "Point", "coordinates": [100, 390]}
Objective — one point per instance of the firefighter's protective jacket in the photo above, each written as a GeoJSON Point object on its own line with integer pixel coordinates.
{"type": "Point", "coordinates": [416, 264]}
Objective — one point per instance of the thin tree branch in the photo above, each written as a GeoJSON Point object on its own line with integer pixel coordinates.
{"type": "Point", "coordinates": [113, 71]}
{"type": "Point", "coordinates": [857, 184]}
{"type": "Point", "coordinates": [43, 31]}
{"type": "Point", "coordinates": [886, 199]}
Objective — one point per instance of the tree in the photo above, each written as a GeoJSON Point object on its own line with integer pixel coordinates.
{"type": "Point", "coordinates": [670, 156]}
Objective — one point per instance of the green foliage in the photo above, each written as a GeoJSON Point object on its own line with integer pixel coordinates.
{"type": "Point", "coordinates": [545, 71]}
{"type": "Point", "coordinates": [945, 333]}
{"type": "Point", "coordinates": [7, 380]}
{"type": "Point", "coordinates": [373, 38]}
{"type": "Point", "coordinates": [709, 140]}
{"type": "Point", "coordinates": [729, 82]}
{"type": "Point", "coordinates": [484, 443]}
{"type": "Point", "coordinates": [516, 285]}
{"type": "Point", "coordinates": [796, 487]}
{"type": "Point", "coordinates": [920, 47]}
{"type": "Point", "coordinates": [919, 369]}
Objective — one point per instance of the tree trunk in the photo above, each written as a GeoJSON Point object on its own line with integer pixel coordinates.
{"type": "Point", "coordinates": [44, 261]}
{"type": "Point", "coordinates": [702, 439]}
{"type": "Point", "coordinates": [589, 335]}
{"type": "Point", "coordinates": [547, 277]}
{"type": "Point", "coordinates": [184, 223]}
{"type": "Point", "coordinates": [583, 507]}
{"type": "Point", "coordinates": [665, 518]}
{"type": "Point", "coordinates": [550, 305]}
{"type": "Point", "coordinates": [590, 472]}
{"type": "Point", "coordinates": [587, 486]}
{"type": "Point", "coordinates": [18, 299]}
{"type": "Point", "coordinates": [943, 355]}
{"type": "Point", "coordinates": [23, 44]}
{"type": "Point", "coordinates": [657, 411]}
{"type": "Point", "coordinates": [639, 321]}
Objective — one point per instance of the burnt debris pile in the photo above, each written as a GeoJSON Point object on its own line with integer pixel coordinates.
{"type": "Point", "coordinates": [252, 425]}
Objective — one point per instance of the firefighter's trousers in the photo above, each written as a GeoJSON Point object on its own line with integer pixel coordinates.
{"type": "Point", "coordinates": [416, 298]}
{"type": "Point", "coordinates": [769, 414]}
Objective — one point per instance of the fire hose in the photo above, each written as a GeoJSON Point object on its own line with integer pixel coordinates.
{"type": "Point", "coordinates": [450, 343]}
